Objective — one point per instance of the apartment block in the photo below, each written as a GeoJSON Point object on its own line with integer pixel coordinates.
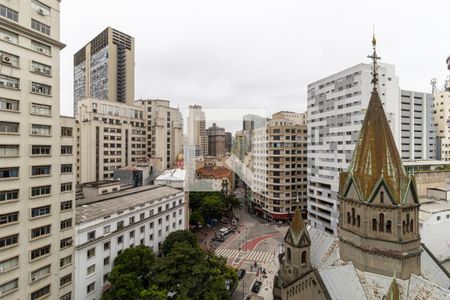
{"type": "Point", "coordinates": [108, 223]}
{"type": "Point", "coordinates": [196, 130]}
{"type": "Point", "coordinates": [441, 121]}
{"type": "Point", "coordinates": [279, 166]}
{"type": "Point", "coordinates": [110, 135]}
{"type": "Point", "coordinates": [36, 180]}
{"type": "Point", "coordinates": [216, 141]}
{"type": "Point", "coordinates": [164, 125]}
{"type": "Point", "coordinates": [104, 68]}
{"type": "Point", "coordinates": [336, 108]}
{"type": "Point", "coordinates": [418, 134]}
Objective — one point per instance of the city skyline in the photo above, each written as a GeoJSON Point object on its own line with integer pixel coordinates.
{"type": "Point", "coordinates": [221, 56]}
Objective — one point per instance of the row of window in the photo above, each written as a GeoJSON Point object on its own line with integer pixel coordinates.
{"type": "Point", "coordinates": [36, 129]}
{"type": "Point", "coordinates": [13, 172]}
{"type": "Point", "coordinates": [13, 195]}
{"type": "Point", "coordinates": [14, 61]}
{"type": "Point", "coordinates": [14, 83]}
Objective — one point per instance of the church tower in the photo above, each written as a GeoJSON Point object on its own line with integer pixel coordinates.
{"type": "Point", "coordinates": [297, 243]}
{"type": "Point", "coordinates": [379, 206]}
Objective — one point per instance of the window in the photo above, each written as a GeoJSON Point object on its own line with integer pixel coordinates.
{"type": "Point", "coordinates": [64, 243]}
{"type": "Point", "coordinates": [66, 187]}
{"type": "Point", "coordinates": [9, 150]}
{"type": "Point", "coordinates": [9, 264]}
{"type": "Point", "coordinates": [374, 224]}
{"type": "Point", "coordinates": [9, 240]}
{"type": "Point", "coordinates": [9, 13]}
{"type": "Point", "coordinates": [41, 48]}
{"type": "Point", "coordinates": [106, 246]}
{"type": "Point", "coordinates": [40, 273]}
{"type": "Point", "coordinates": [381, 226]}
{"type": "Point", "coordinates": [66, 205]}
{"type": "Point", "coordinates": [151, 225]}
{"type": "Point", "coordinates": [304, 258]}
{"type": "Point", "coordinates": [40, 231]}
{"type": "Point", "coordinates": [40, 150]}
{"type": "Point", "coordinates": [106, 229]}
{"type": "Point", "coordinates": [67, 223]}
{"type": "Point", "coordinates": [91, 235]}
{"type": "Point", "coordinates": [65, 279]}
{"type": "Point", "coordinates": [65, 261]}
{"type": "Point", "coordinates": [41, 89]}
{"type": "Point", "coordinates": [131, 234]}
{"type": "Point", "coordinates": [91, 253]}
{"type": "Point", "coordinates": [9, 127]}
{"type": "Point", "coordinates": [67, 296]}
{"type": "Point", "coordinates": [40, 170]}
{"type": "Point", "coordinates": [120, 239]}
{"type": "Point", "coordinates": [9, 218]}
{"type": "Point", "coordinates": [66, 168]}
{"type": "Point", "coordinates": [142, 229]}
{"type": "Point", "coordinates": [9, 105]}
{"type": "Point", "coordinates": [41, 68]}
{"type": "Point", "coordinates": [40, 252]}
{"type": "Point", "coordinates": [90, 270]}
{"type": "Point", "coordinates": [119, 225]}
{"type": "Point", "coordinates": [9, 286]}
{"type": "Point", "coordinates": [41, 109]}
{"type": "Point", "coordinates": [106, 261]}
{"type": "Point", "coordinates": [9, 82]}
{"type": "Point", "coordinates": [66, 150]}
{"type": "Point", "coordinates": [40, 292]}
{"type": "Point", "coordinates": [41, 27]}
{"type": "Point", "coordinates": [388, 226]}
{"type": "Point", "coordinates": [37, 129]}
{"type": "Point", "coordinates": [66, 131]}
{"type": "Point", "coordinates": [40, 191]}
{"type": "Point", "coordinates": [381, 197]}
{"type": "Point", "coordinates": [142, 216]}
{"type": "Point", "coordinates": [9, 172]}
{"type": "Point", "coordinates": [91, 287]}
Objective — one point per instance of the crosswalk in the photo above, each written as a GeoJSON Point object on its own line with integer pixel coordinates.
{"type": "Point", "coordinates": [259, 256]}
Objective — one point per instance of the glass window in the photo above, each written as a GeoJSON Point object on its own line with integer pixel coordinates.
{"type": "Point", "coordinates": [65, 261]}
{"type": "Point", "coordinates": [9, 13]}
{"type": "Point", "coordinates": [40, 170]}
{"type": "Point", "coordinates": [9, 150]}
{"type": "Point", "coordinates": [9, 82]}
{"type": "Point", "coordinates": [9, 286]}
{"type": "Point", "coordinates": [67, 223]}
{"type": "Point", "coordinates": [9, 127]}
{"type": "Point", "coordinates": [66, 131]}
{"type": "Point", "coordinates": [41, 150]}
{"type": "Point", "coordinates": [90, 269]}
{"type": "Point", "coordinates": [91, 253]}
{"type": "Point", "coordinates": [40, 211]}
{"type": "Point", "coordinates": [41, 89]}
{"type": "Point", "coordinates": [91, 287]}
{"type": "Point", "coordinates": [40, 190]}
{"type": "Point", "coordinates": [41, 109]}
{"type": "Point", "coordinates": [44, 130]}
{"type": "Point", "coordinates": [9, 172]}
{"type": "Point", "coordinates": [65, 279]}
{"type": "Point", "coordinates": [9, 105]}
{"type": "Point", "coordinates": [41, 68]}
{"type": "Point", "coordinates": [66, 187]}
{"type": "Point", "coordinates": [66, 168]}
{"type": "Point", "coordinates": [64, 243]}
{"type": "Point", "coordinates": [40, 231]}
{"type": "Point", "coordinates": [40, 252]}
{"type": "Point", "coordinates": [66, 150]}
{"type": "Point", "coordinates": [40, 293]}
{"type": "Point", "coordinates": [9, 264]}
{"type": "Point", "coordinates": [41, 27]}
{"type": "Point", "coordinates": [66, 205]}
{"type": "Point", "coordinates": [9, 240]}
{"type": "Point", "coordinates": [9, 195]}
{"type": "Point", "coordinates": [40, 273]}
{"type": "Point", "coordinates": [9, 218]}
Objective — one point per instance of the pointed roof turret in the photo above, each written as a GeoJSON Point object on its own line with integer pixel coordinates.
{"type": "Point", "coordinates": [394, 291]}
{"type": "Point", "coordinates": [297, 234]}
{"type": "Point", "coordinates": [376, 157]}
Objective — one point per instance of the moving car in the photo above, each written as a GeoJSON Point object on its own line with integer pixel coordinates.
{"type": "Point", "coordinates": [241, 273]}
{"type": "Point", "coordinates": [256, 286]}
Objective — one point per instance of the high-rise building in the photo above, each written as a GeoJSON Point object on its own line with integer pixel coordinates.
{"type": "Point", "coordinates": [441, 121]}
{"type": "Point", "coordinates": [418, 134]}
{"type": "Point", "coordinates": [36, 156]}
{"type": "Point", "coordinates": [110, 135]}
{"type": "Point", "coordinates": [104, 68]}
{"type": "Point", "coordinates": [336, 110]}
{"type": "Point", "coordinates": [216, 140]}
{"type": "Point", "coordinates": [251, 122]}
{"type": "Point", "coordinates": [196, 130]}
{"type": "Point", "coordinates": [228, 141]}
{"type": "Point", "coordinates": [164, 133]}
{"type": "Point", "coordinates": [279, 166]}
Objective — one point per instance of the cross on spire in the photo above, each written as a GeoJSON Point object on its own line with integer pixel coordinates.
{"type": "Point", "coordinates": [374, 58]}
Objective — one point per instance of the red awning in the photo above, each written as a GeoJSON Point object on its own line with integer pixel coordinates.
{"type": "Point", "coordinates": [280, 216]}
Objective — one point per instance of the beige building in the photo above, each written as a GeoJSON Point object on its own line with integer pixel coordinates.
{"type": "Point", "coordinates": [110, 135]}
{"type": "Point", "coordinates": [36, 156]}
{"type": "Point", "coordinates": [441, 117]}
{"type": "Point", "coordinates": [279, 166]}
{"type": "Point", "coordinates": [196, 130]}
{"type": "Point", "coordinates": [216, 141]}
{"type": "Point", "coordinates": [164, 126]}
{"type": "Point", "coordinates": [104, 68]}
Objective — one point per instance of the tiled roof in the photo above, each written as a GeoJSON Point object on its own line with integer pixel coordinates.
{"type": "Point", "coordinates": [216, 172]}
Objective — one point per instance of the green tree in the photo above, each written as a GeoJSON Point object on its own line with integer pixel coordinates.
{"type": "Point", "coordinates": [196, 218]}
{"type": "Point", "coordinates": [212, 207]}
{"type": "Point", "coordinates": [178, 236]}
{"type": "Point", "coordinates": [124, 286]}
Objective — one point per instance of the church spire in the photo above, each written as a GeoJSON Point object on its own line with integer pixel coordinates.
{"type": "Point", "coordinates": [394, 291]}
{"type": "Point", "coordinates": [375, 59]}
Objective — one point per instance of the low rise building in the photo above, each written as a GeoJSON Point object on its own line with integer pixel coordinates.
{"type": "Point", "coordinates": [108, 224]}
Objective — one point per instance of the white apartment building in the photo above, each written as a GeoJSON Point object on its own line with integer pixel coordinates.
{"type": "Point", "coordinates": [110, 135]}
{"type": "Point", "coordinates": [336, 110]}
{"type": "Point", "coordinates": [418, 134]}
{"type": "Point", "coordinates": [196, 130]}
{"type": "Point", "coordinates": [108, 224]}
{"type": "Point", "coordinates": [441, 121]}
{"type": "Point", "coordinates": [36, 156]}
{"type": "Point", "coordinates": [164, 126]}
{"type": "Point", "coordinates": [279, 166]}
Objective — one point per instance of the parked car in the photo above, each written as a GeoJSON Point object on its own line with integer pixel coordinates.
{"type": "Point", "coordinates": [241, 273]}
{"type": "Point", "coordinates": [256, 286]}
{"type": "Point", "coordinates": [223, 230]}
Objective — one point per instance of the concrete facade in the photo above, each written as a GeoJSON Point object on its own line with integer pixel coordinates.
{"type": "Point", "coordinates": [196, 130]}
{"type": "Point", "coordinates": [441, 121]}
{"type": "Point", "coordinates": [104, 68]}
{"type": "Point", "coordinates": [36, 155]}
{"type": "Point", "coordinates": [216, 141]}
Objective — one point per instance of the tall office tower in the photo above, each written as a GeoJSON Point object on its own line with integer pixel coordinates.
{"type": "Point", "coordinates": [216, 140]}
{"type": "Point", "coordinates": [279, 167]}
{"type": "Point", "coordinates": [228, 141]}
{"type": "Point", "coordinates": [336, 109]}
{"type": "Point", "coordinates": [441, 119]}
{"type": "Point", "coordinates": [418, 134]}
{"type": "Point", "coordinates": [251, 122]}
{"type": "Point", "coordinates": [164, 133]}
{"type": "Point", "coordinates": [36, 162]}
{"type": "Point", "coordinates": [196, 130]}
{"type": "Point", "coordinates": [241, 144]}
{"type": "Point", "coordinates": [104, 68]}
{"type": "Point", "coordinates": [110, 135]}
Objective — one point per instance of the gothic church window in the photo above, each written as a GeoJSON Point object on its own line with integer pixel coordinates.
{"type": "Point", "coordinates": [381, 222]}
{"type": "Point", "coordinates": [374, 224]}
{"type": "Point", "coordinates": [304, 258]}
{"type": "Point", "coordinates": [389, 226]}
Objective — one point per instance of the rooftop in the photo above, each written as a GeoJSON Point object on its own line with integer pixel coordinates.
{"type": "Point", "coordinates": [429, 207]}
{"type": "Point", "coordinates": [216, 172]}
{"type": "Point", "coordinates": [173, 175]}
{"type": "Point", "coordinates": [95, 207]}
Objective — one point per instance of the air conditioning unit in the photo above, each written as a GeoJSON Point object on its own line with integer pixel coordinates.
{"type": "Point", "coordinates": [10, 84]}
{"type": "Point", "coordinates": [40, 70]}
{"type": "Point", "coordinates": [6, 59]}
{"type": "Point", "coordinates": [69, 242]}
{"type": "Point", "coordinates": [41, 11]}
{"type": "Point", "coordinates": [7, 38]}
{"type": "Point", "coordinates": [40, 49]}
{"type": "Point", "coordinates": [2, 82]}
{"type": "Point", "coordinates": [33, 279]}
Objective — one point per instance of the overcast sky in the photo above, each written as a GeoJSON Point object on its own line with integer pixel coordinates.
{"type": "Point", "coordinates": [258, 54]}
